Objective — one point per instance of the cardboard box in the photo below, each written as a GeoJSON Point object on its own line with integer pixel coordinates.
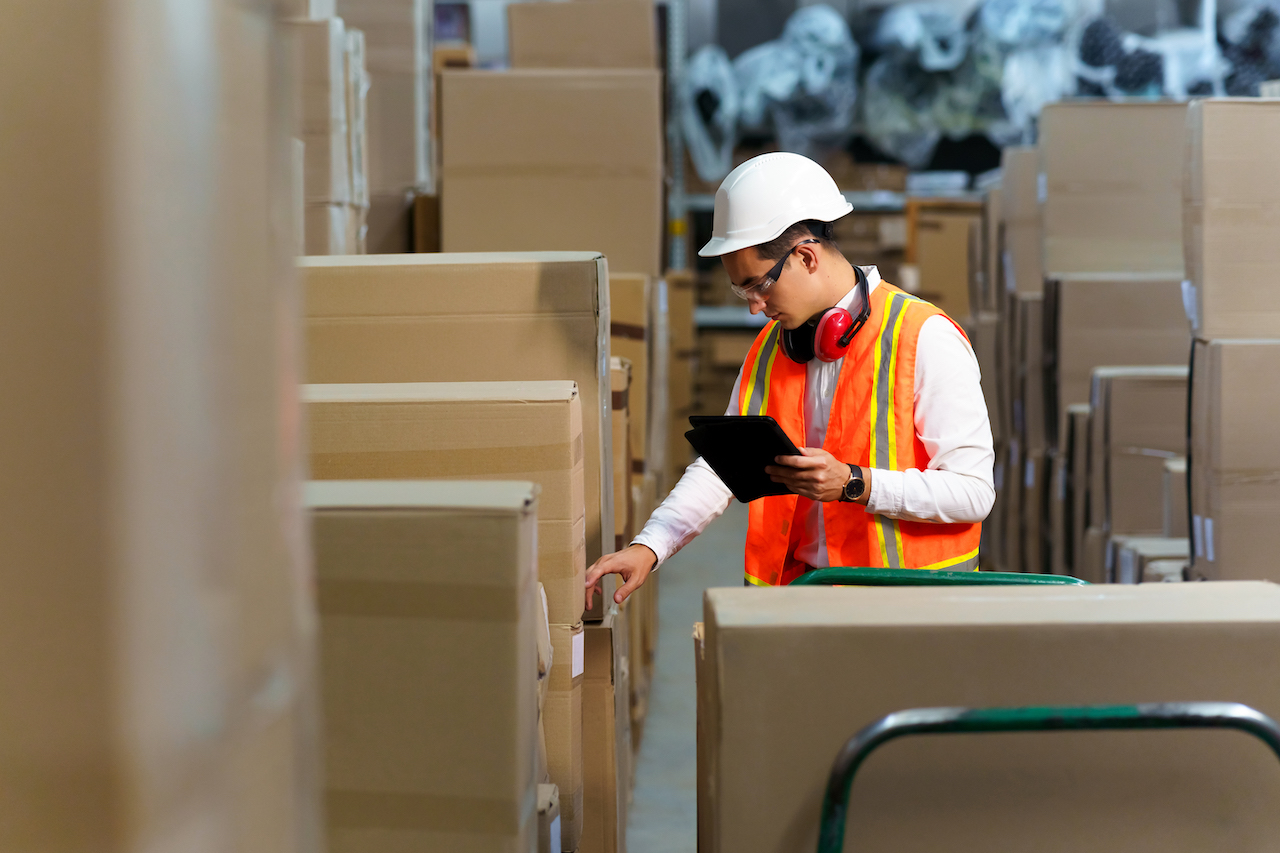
{"type": "Point", "coordinates": [331, 229]}
{"type": "Point", "coordinates": [1233, 459]}
{"type": "Point", "coordinates": [623, 511]}
{"type": "Point", "coordinates": [1112, 187]}
{"type": "Point", "coordinates": [548, 819]}
{"type": "Point", "coordinates": [1176, 516]}
{"type": "Point", "coordinates": [1029, 405]}
{"type": "Point", "coordinates": [391, 223]}
{"type": "Point", "coordinates": [1021, 231]}
{"type": "Point", "coordinates": [993, 281]}
{"type": "Point", "coordinates": [1101, 320]}
{"type": "Point", "coordinates": [321, 107]}
{"type": "Point", "coordinates": [1131, 555]}
{"type": "Point", "coordinates": [1009, 503]}
{"type": "Point", "coordinates": [588, 34]}
{"type": "Point", "coordinates": [398, 55]}
{"type": "Point", "coordinates": [427, 600]}
{"type": "Point", "coordinates": [606, 736]}
{"type": "Point", "coordinates": [157, 669]}
{"type": "Point", "coordinates": [1231, 214]}
{"type": "Point", "coordinates": [562, 721]}
{"type": "Point", "coordinates": [971, 647]}
{"type": "Point", "coordinates": [1139, 420]}
{"type": "Point", "coordinates": [1093, 556]}
{"type": "Point", "coordinates": [1058, 514]}
{"type": "Point", "coordinates": [1035, 512]}
{"type": "Point", "coordinates": [682, 370]}
{"type": "Point", "coordinates": [468, 431]}
{"type": "Point", "coordinates": [629, 301]}
{"type": "Point", "coordinates": [1075, 443]}
{"type": "Point", "coordinates": [307, 9]}
{"type": "Point", "coordinates": [511, 317]}
{"type": "Point", "coordinates": [983, 335]}
{"type": "Point", "coordinates": [943, 257]}
{"type": "Point", "coordinates": [555, 159]}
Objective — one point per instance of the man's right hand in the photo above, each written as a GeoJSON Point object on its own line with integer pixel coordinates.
{"type": "Point", "coordinates": [633, 564]}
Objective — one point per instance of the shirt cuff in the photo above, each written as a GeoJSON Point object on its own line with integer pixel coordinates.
{"type": "Point", "coordinates": [886, 492]}
{"type": "Point", "coordinates": [651, 542]}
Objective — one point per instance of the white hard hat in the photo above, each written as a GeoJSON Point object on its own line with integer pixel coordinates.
{"type": "Point", "coordinates": [767, 195]}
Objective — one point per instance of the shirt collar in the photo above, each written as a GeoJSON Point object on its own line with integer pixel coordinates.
{"type": "Point", "coordinates": [873, 278]}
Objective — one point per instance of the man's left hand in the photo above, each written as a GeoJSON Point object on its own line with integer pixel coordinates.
{"type": "Point", "coordinates": [816, 474]}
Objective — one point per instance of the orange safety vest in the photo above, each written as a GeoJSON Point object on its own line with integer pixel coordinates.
{"type": "Point", "coordinates": [872, 425]}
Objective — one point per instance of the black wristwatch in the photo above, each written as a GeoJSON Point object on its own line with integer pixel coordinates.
{"type": "Point", "coordinates": [855, 487]}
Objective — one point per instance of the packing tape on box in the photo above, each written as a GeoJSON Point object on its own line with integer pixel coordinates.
{"type": "Point", "coordinates": [411, 600]}
{"type": "Point", "coordinates": [628, 331]}
{"type": "Point", "coordinates": [461, 462]}
{"type": "Point", "coordinates": [427, 812]}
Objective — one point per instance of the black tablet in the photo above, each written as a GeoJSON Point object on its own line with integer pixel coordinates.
{"type": "Point", "coordinates": [738, 448]}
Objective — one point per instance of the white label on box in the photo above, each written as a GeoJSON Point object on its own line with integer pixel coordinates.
{"type": "Point", "coordinates": [1208, 539]}
{"type": "Point", "coordinates": [1189, 304]}
{"type": "Point", "coordinates": [555, 834]}
{"type": "Point", "coordinates": [1029, 474]}
{"type": "Point", "coordinates": [579, 654]}
{"type": "Point", "coordinates": [1197, 525]}
{"type": "Point", "coordinates": [1042, 187]}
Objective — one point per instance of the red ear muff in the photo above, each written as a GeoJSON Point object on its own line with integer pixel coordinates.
{"type": "Point", "coordinates": [830, 338]}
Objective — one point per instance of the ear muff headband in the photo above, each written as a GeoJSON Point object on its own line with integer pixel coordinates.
{"type": "Point", "coordinates": [829, 335]}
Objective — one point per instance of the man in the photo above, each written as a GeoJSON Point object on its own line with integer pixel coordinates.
{"type": "Point", "coordinates": [896, 464]}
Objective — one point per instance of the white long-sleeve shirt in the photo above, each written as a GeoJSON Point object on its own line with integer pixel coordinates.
{"type": "Point", "coordinates": [950, 420]}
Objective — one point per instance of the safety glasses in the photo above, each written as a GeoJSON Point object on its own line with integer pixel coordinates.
{"type": "Point", "coordinates": [767, 281]}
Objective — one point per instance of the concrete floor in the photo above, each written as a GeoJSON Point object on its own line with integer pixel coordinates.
{"type": "Point", "coordinates": [663, 814]}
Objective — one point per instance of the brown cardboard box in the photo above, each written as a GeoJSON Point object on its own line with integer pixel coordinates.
{"type": "Point", "coordinates": [1112, 186]}
{"type": "Point", "coordinates": [992, 281]}
{"type": "Point", "coordinates": [157, 667]}
{"type": "Point", "coordinates": [513, 317]}
{"type": "Point", "coordinates": [1009, 502]}
{"type": "Point", "coordinates": [1093, 556]}
{"type": "Point", "coordinates": [1176, 517]}
{"type": "Point", "coordinates": [468, 431]}
{"type": "Point", "coordinates": [548, 819]}
{"type": "Point", "coordinates": [775, 719]}
{"type": "Point", "coordinates": [983, 335]}
{"type": "Point", "coordinates": [555, 159]}
{"type": "Point", "coordinates": [307, 8]}
{"type": "Point", "coordinates": [562, 719]}
{"type": "Point", "coordinates": [427, 606]}
{"type": "Point", "coordinates": [1029, 392]}
{"type": "Point", "coordinates": [1035, 512]}
{"type": "Point", "coordinates": [587, 34]}
{"type": "Point", "coordinates": [1139, 420]}
{"type": "Point", "coordinates": [682, 368]}
{"type": "Point", "coordinates": [629, 337]}
{"type": "Point", "coordinates": [1233, 458]}
{"type": "Point", "coordinates": [943, 257]}
{"type": "Point", "coordinates": [398, 55]}
{"type": "Point", "coordinates": [606, 737]}
{"type": "Point", "coordinates": [1075, 443]}
{"type": "Point", "coordinates": [1231, 215]}
{"type": "Point", "coordinates": [1058, 498]}
{"type": "Point", "coordinates": [391, 225]}
{"type": "Point", "coordinates": [1130, 555]}
{"type": "Point", "coordinates": [321, 106]}
{"type": "Point", "coordinates": [1108, 319]}
{"type": "Point", "coordinates": [623, 511]}
{"type": "Point", "coordinates": [1021, 231]}
{"type": "Point", "coordinates": [330, 229]}
{"type": "Point", "coordinates": [426, 223]}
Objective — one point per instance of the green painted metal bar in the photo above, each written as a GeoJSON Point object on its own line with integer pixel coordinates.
{"type": "Point", "coordinates": [860, 576]}
{"type": "Point", "coordinates": [1172, 715]}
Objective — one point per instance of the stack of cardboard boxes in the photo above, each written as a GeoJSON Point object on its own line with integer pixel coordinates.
{"type": "Point", "coordinates": [331, 87]}
{"type": "Point", "coordinates": [1230, 213]}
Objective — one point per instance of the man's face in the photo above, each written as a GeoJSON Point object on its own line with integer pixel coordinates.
{"type": "Point", "coordinates": [788, 300]}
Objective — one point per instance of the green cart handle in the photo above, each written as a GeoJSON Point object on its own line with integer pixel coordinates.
{"type": "Point", "coordinates": [917, 721]}
{"type": "Point", "coordinates": [851, 576]}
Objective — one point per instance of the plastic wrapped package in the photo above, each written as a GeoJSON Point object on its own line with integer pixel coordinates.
{"type": "Point", "coordinates": [1033, 77]}
{"type": "Point", "coordinates": [1023, 23]}
{"type": "Point", "coordinates": [1174, 64]}
{"type": "Point", "coordinates": [709, 112]}
{"type": "Point", "coordinates": [804, 83]}
{"type": "Point", "coordinates": [935, 34]}
{"type": "Point", "coordinates": [1252, 37]}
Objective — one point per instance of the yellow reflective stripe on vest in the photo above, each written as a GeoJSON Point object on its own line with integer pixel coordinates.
{"type": "Point", "coordinates": [754, 399]}
{"type": "Point", "coordinates": [963, 563]}
{"type": "Point", "coordinates": [754, 581]}
{"type": "Point", "coordinates": [884, 441]}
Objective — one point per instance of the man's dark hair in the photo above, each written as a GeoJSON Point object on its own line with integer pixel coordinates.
{"type": "Point", "coordinates": [824, 232]}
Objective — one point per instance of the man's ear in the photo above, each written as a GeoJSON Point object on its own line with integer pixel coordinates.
{"type": "Point", "coordinates": [810, 256]}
